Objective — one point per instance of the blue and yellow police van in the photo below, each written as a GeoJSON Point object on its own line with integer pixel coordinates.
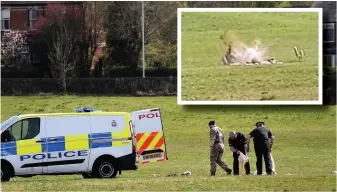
{"type": "Point", "coordinates": [92, 143]}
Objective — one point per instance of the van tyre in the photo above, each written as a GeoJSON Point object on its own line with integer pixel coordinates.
{"type": "Point", "coordinates": [104, 169]}
{"type": "Point", "coordinates": [87, 175]}
{"type": "Point", "coordinates": [5, 173]}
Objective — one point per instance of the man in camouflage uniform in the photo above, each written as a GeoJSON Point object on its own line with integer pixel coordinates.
{"type": "Point", "coordinates": [217, 148]}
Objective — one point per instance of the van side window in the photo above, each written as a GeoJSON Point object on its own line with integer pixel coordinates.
{"type": "Point", "coordinates": [25, 129]}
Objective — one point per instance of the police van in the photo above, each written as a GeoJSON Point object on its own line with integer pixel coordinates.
{"type": "Point", "coordinates": [92, 143]}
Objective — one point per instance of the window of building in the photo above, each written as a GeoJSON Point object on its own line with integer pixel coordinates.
{"type": "Point", "coordinates": [329, 61]}
{"type": "Point", "coordinates": [5, 19]}
{"type": "Point", "coordinates": [25, 129]}
{"type": "Point", "coordinates": [329, 32]}
{"type": "Point", "coordinates": [32, 16]}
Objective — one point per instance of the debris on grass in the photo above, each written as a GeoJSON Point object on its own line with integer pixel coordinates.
{"type": "Point", "coordinates": [239, 53]}
{"type": "Point", "coordinates": [186, 173]}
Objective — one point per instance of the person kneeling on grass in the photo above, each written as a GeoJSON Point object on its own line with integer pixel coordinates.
{"type": "Point", "coordinates": [237, 143]}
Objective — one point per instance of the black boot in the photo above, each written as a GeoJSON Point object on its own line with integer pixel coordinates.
{"type": "Point", "coordinates": [212, 174]}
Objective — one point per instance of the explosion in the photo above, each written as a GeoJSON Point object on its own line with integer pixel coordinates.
{"type": "Point", "coordinates": [241, 53]}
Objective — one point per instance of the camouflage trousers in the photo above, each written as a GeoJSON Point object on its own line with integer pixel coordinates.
{"type": "Point", "coordinates": [216, 158]}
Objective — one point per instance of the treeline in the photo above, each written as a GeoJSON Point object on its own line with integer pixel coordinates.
{"type": "Point", "coordinates": [103, 39]}
{"type": "Point", "coordinates": [94, 38]}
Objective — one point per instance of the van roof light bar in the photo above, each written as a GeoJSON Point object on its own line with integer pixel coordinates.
{"type": "Point", "coordinates": [84, 109]}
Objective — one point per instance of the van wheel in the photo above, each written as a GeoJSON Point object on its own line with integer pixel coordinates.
{"type": "Point", "coordinates": [104, 169]}
{"type": "Point", "coordinates": [5, 173]}
{"type": "Point", "coordinates": [87, 175]}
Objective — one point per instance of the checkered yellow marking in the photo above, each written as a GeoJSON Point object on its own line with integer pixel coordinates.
{"type": "Point", "coordinates": [28, 147]}
{"type": "Point", "coordinates": [77, 142]}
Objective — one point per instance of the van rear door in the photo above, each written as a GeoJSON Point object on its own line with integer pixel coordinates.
{"type": "Point", "coordinates": [149, 133]}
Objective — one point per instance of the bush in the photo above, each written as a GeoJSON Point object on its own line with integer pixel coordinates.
{"type": "Point", "coordinates": [161, 54]}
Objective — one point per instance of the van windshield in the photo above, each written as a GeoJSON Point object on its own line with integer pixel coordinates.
{"type": "Point", "coordinates": [5, 124]}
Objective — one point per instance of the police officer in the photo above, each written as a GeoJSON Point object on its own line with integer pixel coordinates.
{"type": "Point", "coordinates": [217, 148]}
{"type": "Point", "coordinates": [237, 143]}
{"type": "Point", "coordinates": [263, 141]}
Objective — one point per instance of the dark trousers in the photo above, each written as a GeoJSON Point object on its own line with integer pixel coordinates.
{"type": "Point", "coordinates": [262, 151]}
{"type": "Point", "coordinates": [236, 166]}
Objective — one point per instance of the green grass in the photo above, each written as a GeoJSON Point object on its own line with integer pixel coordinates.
{"type": "Point", "coordinates": [203, 77]}
{"type": "Point", "coordinates": [305, 146]}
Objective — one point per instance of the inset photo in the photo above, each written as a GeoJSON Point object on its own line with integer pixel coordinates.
{"type": "Point", "coordinates": [250, 56]}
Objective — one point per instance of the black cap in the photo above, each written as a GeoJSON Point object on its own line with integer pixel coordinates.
{"type": "Point", "coordinates": [211, 123]}
{"type": "Point", "coordinates": [260, 122]}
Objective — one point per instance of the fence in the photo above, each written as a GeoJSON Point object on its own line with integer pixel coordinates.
{"type": "Point", "coordinates": [149, 86]}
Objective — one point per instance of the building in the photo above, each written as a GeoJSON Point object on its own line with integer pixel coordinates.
{"type": "Point", "coordinates": [329, 31]}
{"type": "Point", "coordinates": [20, 15]}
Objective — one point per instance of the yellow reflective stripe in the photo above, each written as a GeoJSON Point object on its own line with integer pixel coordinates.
{"type": "Point", "coordinates": [28, 147]}
{"type": "Point", "coordinates": [125, 133]}
{"type": "Point", "coordinates": [142, 140]}
{"type": "Point", "coordinates": [121, 134]}
{"type": "Point", "coordinates": [121, 143]}
{"type": "Point", "coordinates": [77, 142]}
{"type": "Point", "coordinates": [155, 141]}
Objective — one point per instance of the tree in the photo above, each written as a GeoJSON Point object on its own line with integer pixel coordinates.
{"type": "Point", "coordinates": [13, 48]}
{"type": "Point", "coordinates": [55, 17]}
{"type": "Point", "coordinates": [124, 28]}
{"type": "Point", "coordinates": [62, 54]}
{"type": "Point", "coordinates": [93, 35]}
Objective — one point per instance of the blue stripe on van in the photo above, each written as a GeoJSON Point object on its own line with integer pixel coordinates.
{"type": "Point", "coordinates": [98, 140]}
{"type": "Point", "coordinates": [8, 148]}
{"type": "Point", "coordinates": [58, 145]}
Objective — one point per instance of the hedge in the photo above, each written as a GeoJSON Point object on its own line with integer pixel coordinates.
{"type": "Point", "coordinates": [115, 72]}
{"type": "Point", "coordinates": [149, 86]}
{"type": "Point", "coordinates": [149, 72]}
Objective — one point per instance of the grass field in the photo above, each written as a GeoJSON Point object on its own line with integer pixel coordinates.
{"type": "Point", "coordinates": [305, 146]}
{"type": "Point", "coordinates": [203, 77]}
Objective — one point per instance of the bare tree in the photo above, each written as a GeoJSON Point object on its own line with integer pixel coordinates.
{"type": "Point", "coordinates": [158, 16]}
{"type": "Point", "coordinates": [93, 34]}
{"type": "Point", "coordinates": [62, 53]}
{"type": "Point", "coordinates": [124, 27]}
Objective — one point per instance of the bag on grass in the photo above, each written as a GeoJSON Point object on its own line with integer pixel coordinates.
{"type": "Point", "coordinates": [243, 158]}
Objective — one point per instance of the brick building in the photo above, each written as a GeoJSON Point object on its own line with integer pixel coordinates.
{"type": "Point", "coordinates": [23, 15]}
{"type": "Point", "coordinates": [20, 15]}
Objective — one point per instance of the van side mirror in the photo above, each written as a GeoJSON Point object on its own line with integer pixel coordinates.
{"type": "Point", "coordinates": [6, 136]}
